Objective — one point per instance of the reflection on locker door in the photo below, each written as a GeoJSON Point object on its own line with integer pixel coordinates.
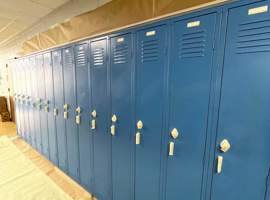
{"type": "Point", "coordinates": [191, 66]}
{"type": "Point", "coordinates": [58, 109]}
{"type": "Point", "coordinates": [99, 121]}
{"type": "Point", "coordinates": [83, 114]}
{"type": "Point", "coordinates": [33, 99]}
{"type": "Point", "coordinates": [70, 109]}
{"type": "Point", "coordinates": [43, 117]}
{"type": "Point", "coordinates": [242, 148]}
{"type": "Point", "coordinates": [150, 75]}
{"type": "Point", "coordinates": [121, 116]}
{"type": "Point", "coordinates": [48, 107]}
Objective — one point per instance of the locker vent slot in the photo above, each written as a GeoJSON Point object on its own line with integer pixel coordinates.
{"type": "Point", "coordinates": [98, 56]}
{"type": "Point", "coordinates": [192, 44]}
{"type": "Point", "coordinates": [149, 50]}
{"type": "Point", "coordinates": [120, 54]}
{"type": "Point", "coordinates": [81, 57]}
{"type": "Point", "coordinates": [253, 37]}
{"type": "Point", "coordinates": [68, 59]}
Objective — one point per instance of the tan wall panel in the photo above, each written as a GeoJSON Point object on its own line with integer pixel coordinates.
{"type": "Point", "coordinates": [115, 14]}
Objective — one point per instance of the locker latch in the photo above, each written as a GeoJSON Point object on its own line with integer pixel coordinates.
{"type": "Point", "coordinates": [66, 106]}
{"type": "Point", "coordinates": [78, 119]}
{"type": "Point", "coordinates": [46, 107]}
{"type": "Point", "coordinates": [138, 134]}
{"type": "Point", "coordinates": [114, 119]}
{"type": "Point", "coordinates": [225, 146]}
{"type": "Point", "coordinates": [93, 121]}
{"type": "Point", "coordinates": [55, 111]}
{"type": "Point", "coordinates": [171, 149]}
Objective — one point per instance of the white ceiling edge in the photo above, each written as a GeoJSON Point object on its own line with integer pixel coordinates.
{"type": "Point", "coordinates": [10, 48]}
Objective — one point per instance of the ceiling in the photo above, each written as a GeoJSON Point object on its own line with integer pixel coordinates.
{"type": "Point", "coordinates": [18, 15]}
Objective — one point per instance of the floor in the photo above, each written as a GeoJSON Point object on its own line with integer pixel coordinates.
{"type": "Point", "coordinates": [63, 181]}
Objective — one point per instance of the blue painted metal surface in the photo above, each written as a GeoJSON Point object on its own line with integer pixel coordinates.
{"type": "Point", "coordinates": [82, 72]}
{"type": "Point", "coordinates": [244, 107]}
{"type": "Point", "coordinates": [48, 108]}
{"type": "Point", "coordinates": [70, 101]}
{"type": "Point", "coordinates": [121, 66]}
{"type": "Point", "coordinates": [58, 109]}
{"type": "Point", "coordinates": [191, 69]}
{"type": "Point", "coordinates": [42, 113]}
{"type": "Point", "coordinates": [101, 136]}
{"type": "Point", "coordinates": [150, 78]}
{"type": "Point", "coordinates": [175, 78]}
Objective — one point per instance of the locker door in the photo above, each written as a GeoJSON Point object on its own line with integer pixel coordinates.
{"type": "Point", "coordinates": [191, 66]}
{"type": "Point", "coordinates": [15, 79]}
{"type": "Point", "coordinates": [83, 114]}
{"type": "Point", "coordinates": [70, 109]}
{"type": "Point", "coordinates": [32, 101]}
{"type": "Point", "coordinates": [21, 73]}
{"type": "Point", "coordinates": [22, 80]}
{"type": "Point", "coordinates": [58, 109]}
{"type": "Point", "coordinates": [37, 103]}
{"type": "Point", "coordinates": [43, 116]}
{"type": "Point", "coordinates": [242, 148]}
{"type": "Point", "coordinates": [149, 94]}
{"type": "Point", "coordinates": [18, 112]}
{"type": "Point", "coordinates": [27, 100]}
{"type": "Point", "coordinates": [121, 115]}
{"type": "Point", "coordinates": [49, 105]}
{"type": "Point", "coordinates": [101, 135]}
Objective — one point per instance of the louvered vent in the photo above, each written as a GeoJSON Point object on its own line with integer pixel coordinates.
{"type": "Point", "coordinates": [56, 59]}
{"type": "Point", "coordinates": [68, 58]}
{"type": "Point", "coordinates": [98, 56]}
{"type": "Point", "coordinates": [81, 56]}
{"type": "Point", "coordinates": [120, 54]}
{"type": "Point", "coordinates": [253, 37]}
{"type": "Point", "coordinates": [192, 44]}
{"type": "Point", "coordinates": [149, 50]}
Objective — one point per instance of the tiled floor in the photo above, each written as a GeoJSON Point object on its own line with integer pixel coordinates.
{"type": "Point", "coordinates": [62, 180]}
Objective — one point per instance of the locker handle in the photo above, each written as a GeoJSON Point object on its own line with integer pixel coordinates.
{"type": "Point", "coordinates": [171, 149]}
{"type": "Point", "coordinates": [93, 124]}
{"type": "Point", "coordinates": [219, 164]}
{"type": "Point", "coordinates": [113, 130]}
{"type": "Point", "coordinates": [78, 119]}
{"type": "Point", "coordinates": [65, 115]}
{"type": "Point", "coordinates": [138, 138]}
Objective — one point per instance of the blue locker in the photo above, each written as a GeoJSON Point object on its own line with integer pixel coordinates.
{"type": "Point", "coordinates": [27, 99]}
{"type": "Point", "coordinates": [36, 103]}
{"type": "Point", "coordinates": [82, 71]}
{"type": "Point", "coordinates": [242, 161]}
{"type": "Point", "coordinates": [15, 78]}
{"type": "Point", "coordinates": [99, 120]}
{"type": "Point", "coordinates": [23, 111]}
{"type": "Point", "coordinates": [190, 83]}
{"type": "Point", "coordinates": [32, 101]}
{"type": "Point", "coordinates": [48, 108]}
{"type": "Point", "coordinates": [58, 109]}
{"type": "Point", "coordinates": [121, 66]}
{"type": "Point", "coordinates": [43, 116]}
{"type": "Point", "coordinates": [149, 98]}
{"type": "Point", "coordinates": [70, 113]}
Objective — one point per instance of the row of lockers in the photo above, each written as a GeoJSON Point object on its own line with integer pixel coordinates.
{"type": "Point", "coordinates": [176, 109]}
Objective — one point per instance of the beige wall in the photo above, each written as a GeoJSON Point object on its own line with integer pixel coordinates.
{"type": "Point", "coordinates": [109, 17]}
